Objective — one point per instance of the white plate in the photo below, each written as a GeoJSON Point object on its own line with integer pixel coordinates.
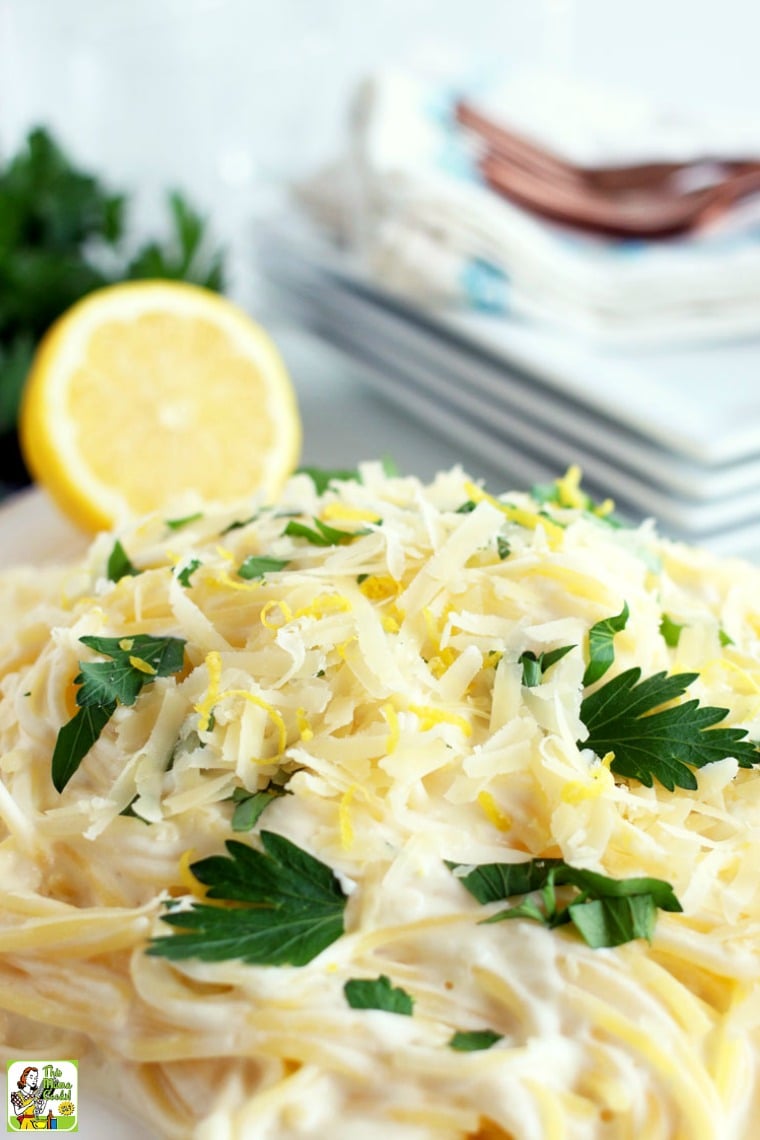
{"type": "Point", "coordinates": [519, 464]}
{"type": "Point", "coordinates": [33, 532]}
{"type": "Point", "coordinates": [398, 336]}
{"type": "Point", "coordinates": [500, 427]}
{"type": "Point", "coordinates": [701, 404]}
{"type": "Point", "coordinates": [700, 503]}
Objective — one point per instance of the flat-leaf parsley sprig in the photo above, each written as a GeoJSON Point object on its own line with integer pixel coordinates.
{"type": "Point", "coordinates": [131, 664]}
{"type": "Point", "coordinates": [292, 907]}
{"type": "Point", "coordinates": [628, 717]}
{"type": "Point", "coordinates": [625, 716]}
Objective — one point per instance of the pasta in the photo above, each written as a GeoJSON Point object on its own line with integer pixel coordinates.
{"type": "Point", "coordinates": [369, 672]}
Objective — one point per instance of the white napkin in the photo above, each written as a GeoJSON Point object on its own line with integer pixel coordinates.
{"type": "Point", "coordinates": [408, 198]}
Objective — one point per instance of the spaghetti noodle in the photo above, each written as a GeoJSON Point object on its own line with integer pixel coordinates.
{"type": "Point", "coordinates": [375, 680]}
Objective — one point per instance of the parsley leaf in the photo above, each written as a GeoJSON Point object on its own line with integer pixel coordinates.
{"type": "Point", "coordinates": [108, 682]}
{"type": "Point", "coordinates": [321, 534]}
{"type": "Point", "coordinates": [473, 1040]}
{"type": "Point", "coordinates": [378, 994]}
{"type": "Point", "coordinates": [162, 655]}
{"type": "Point", "coordinates": [256, 566]}
{"type": "Point", "coordinates": [238, 524]}
{"type": "Point", "coordinates": [534, 667]}
{"type": "Point", "coordinates": [650, 743]}
{"type": "Point", "coordinates": [671, 631]}
{"type": "Point", "coordinates": [295, 912]}
{"type": "Point", "coordinates": [75, 740]}
{"type": "Point", "coordinates": [187, 571]}
{"type": "Point", "coordinates": [614, 921]}
{"type": "Point", "coordinates": [16, 357]}
{"type": "Point", "coordinates": [322, 477]}
{"type": "Point", "coordinates": [600, 645]}
{"type": "Point", "coordinates": [492, 882]}
{"type": "Point", "coordinates": [605, 912]}
{"type": "Point", "coordinates": [133, 662]}
{"type": "Point", "coordinates": [250, 805]}
{"type": "Point", "coordinates": [185, 520]}
{"type": "Point", "coordinates": [503, 549]}
{"type": "Point", "coordinates": [119, 564]}
{"type": "Point", "coordinates": [183, 256]}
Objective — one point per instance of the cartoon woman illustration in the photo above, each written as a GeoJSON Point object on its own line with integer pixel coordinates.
{"type": "Point", "coordinates": [27, 1103]}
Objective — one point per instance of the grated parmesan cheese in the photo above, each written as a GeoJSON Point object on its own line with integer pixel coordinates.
{"type": "Point", "coordinates": [379, 681]}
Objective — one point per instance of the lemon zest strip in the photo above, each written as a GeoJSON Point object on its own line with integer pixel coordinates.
{"type": "Point", "coordinates": [203, 708]}
{"type": "Point", "coordinates": [429, 717]}
{"type": "Point", "coordinates": [333, 511]}
{"type": "Point", "coordinates": [284, 609]}
{"type": "Point", "coordinates": [304, 725]}
{"type": "Point", "coordinates": [391, 717]}
{"type": "Point", "coordinates": [528, 519]}
{"type": "Point", "coordinates": [379, 587]}
{"type": "Point", "coordinates": [493, 812]}
{"type": "Point", "coordinates": [224, 578]}
{"type": "Point", "coordinates": [323, 605]}
{"type": "Point", "coordinates": [270, 710]}
{"type": "Point", "coordinates": [344, 817]}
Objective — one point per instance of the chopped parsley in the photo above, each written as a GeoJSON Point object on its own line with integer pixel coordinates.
{"type": "Point", "coordinates": [378, 994]}
{"type": "Point", "coordinates": [671, 631]}
{"type": "Point", "coordinates": [322, 477]}
{"type": "Point", "coordinates": [321, 534]}
{"type": "Point", "coordinates": [238, 524]}
{"type": "Point", "coordinates": [257, 565]}
{"type": "Point", "coordinates": [250, 805]}
{"type": "Point", "coordinates": [474, 1040]}
{"type": "Point", "coordinates": [119, 564]}
{"type": "Point", "coordinates": [600, 645]}
{"type": "Point", "coordinates": [292, 907]}
{"type": "Point", "coordinates": [605, 911]}
{"type": "Point", "coordinates": [187, 571]}
{"type": "Point", "coordinates": [534, 667]}
{"type": "Point", "coordinates": [185, 520]}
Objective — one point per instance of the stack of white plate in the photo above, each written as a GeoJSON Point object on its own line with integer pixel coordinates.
{"type": "Point", "coordinates": [673, 434]}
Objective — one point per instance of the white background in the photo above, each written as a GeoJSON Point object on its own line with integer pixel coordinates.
{"type": "Point", "coordinates": [231, 98]}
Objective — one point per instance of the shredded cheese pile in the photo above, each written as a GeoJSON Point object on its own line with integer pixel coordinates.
{"type": "Point", "coordinates": [378, 679]}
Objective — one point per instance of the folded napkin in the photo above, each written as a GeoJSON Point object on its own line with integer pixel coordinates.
{"type": "Point", "coordinates": [553, 201]}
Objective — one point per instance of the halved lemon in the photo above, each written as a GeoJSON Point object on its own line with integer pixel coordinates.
{"type": "Point", "coordinates": [156, 395]}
